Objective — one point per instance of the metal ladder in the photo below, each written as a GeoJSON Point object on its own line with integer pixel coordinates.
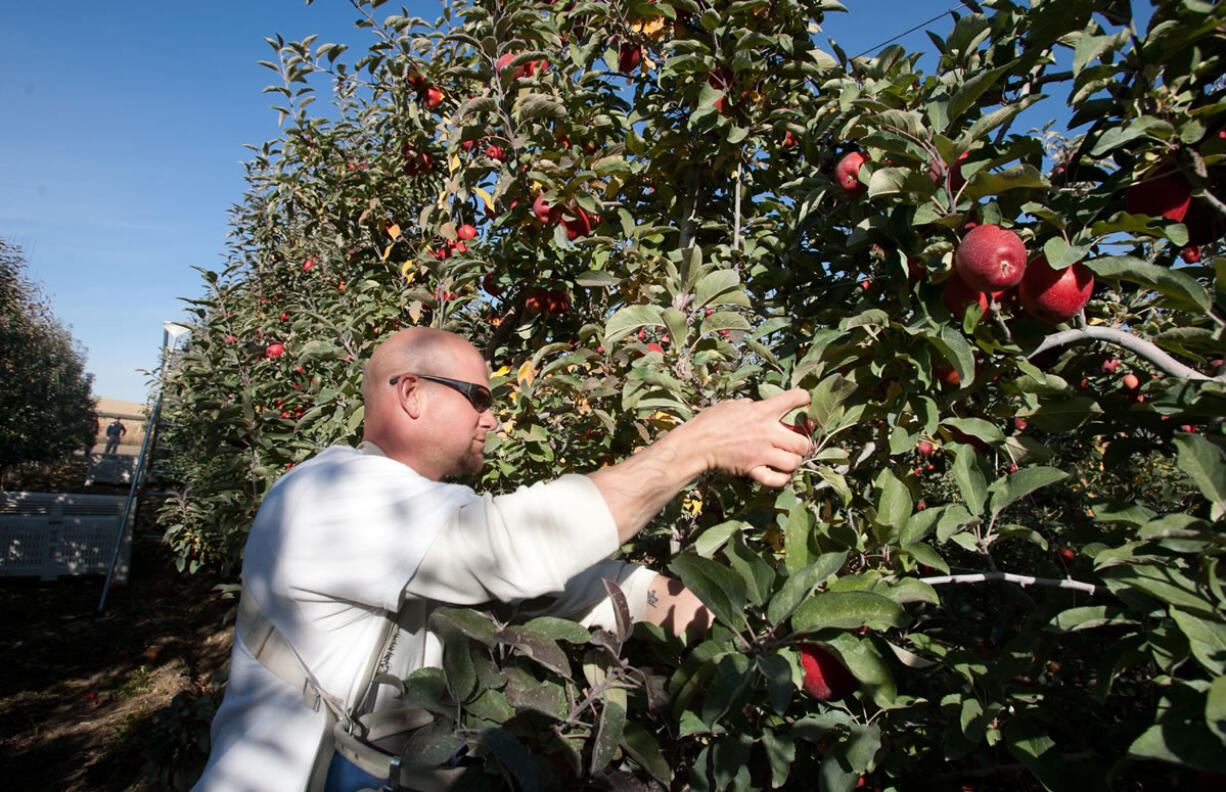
{"type": "Point", "coordinates": [172, 332]}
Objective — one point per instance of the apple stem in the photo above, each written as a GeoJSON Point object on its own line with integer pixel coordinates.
{"type": "Point", "coordinates": [1134, 344]}
{"type": "Point", "coordinates": [1021, 580]}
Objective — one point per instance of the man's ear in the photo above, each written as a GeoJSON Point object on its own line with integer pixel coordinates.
{"type": "Point", "coordinates": [411, 396]}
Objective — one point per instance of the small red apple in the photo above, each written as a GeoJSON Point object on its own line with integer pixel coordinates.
{"type": "Point", "coordinates": [274, 350]}
{"type": "Point", "coordinates": [924, 447]}
{"type": "Point", "coordinates": [629, 57]}
{"type": "Point", "coordinates": [847, 172]}
{"type": "Point", "coordinates": [579, 223]}
{"type": "Point", "coordinates": [1130, 381]}
{"type": "Point", "coordinates": [654, 347]}
{"type": "Point", "coordinates": [543, 211]}
{"type": "Point", "coordinates": [958, 295]}
{"type": "Point", "coordinates": [434, 97]}
{"type": "Point", "coordinates": [991, 258]}
{"type": "Point", "coordinates": [503, 60]}
{"type": "Point", "coordinates": [306, 265]}
{"type": "Point", "coordinates": [1108, 366]}
{"type": "Point", "coordinates": [825, 677]}
{"type": "Point", "coordinates": [1052, 295]}
{"type": "Point", "coordinates": [1190, 254]}
{"type": "Point", "coordinates": [466, 231]}
{"type": "Point", "coordinates": [1067, 553]}
{"type": "Point", "coordinates": [803, 425]}
{"type": "Point", "coordinates": [495, 152]}
{"type": "Point", "coordinates": [947, 374]}
{"type": "Point", "coordinates": [1165, 195]}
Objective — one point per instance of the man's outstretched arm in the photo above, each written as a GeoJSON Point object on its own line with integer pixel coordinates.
{"type": "Point", "coordinates": [741, 437]}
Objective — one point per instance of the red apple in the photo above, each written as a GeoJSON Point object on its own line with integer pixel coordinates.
{"type": "Point", "coordinates": [306, 265]}
{"type": "Point", "coordinates": [543, 211]}
{"type": "Point", "coordinates": [991, 258]}
{"type": "Point", "coordinates": [924, 447]}
{"type": "Point", "coordinates": [1108, 366]}
{"type": "Point", "coordinates": [846, 174]}
{"type": "Point", "coordinates": [1165, 195]}
{"type": "Point", "coordinates": [804, 425]}
{"type": "Point", "coordinates": [1190, 254]}
{"type": "Point", "coordinates": [579, 223]}
{"type": "Point", "coordinates": [946, 374]}
{"type": "Point", "coordinates": [825, 677]}
{"type": "Point", "coordinates": [654, 347]}
{"type": "Point", "coordinates": [1067, 553]}
{"type": "Point", "coordinates": [629, 57]}
{"type": "Point", "coordinates": [503, 60]}
{"type": "Point", "coordinates": [434, 97]}
{"type": "Point", "coordinates": [491, 287]}
{"type": "Point", "coordinates": [466, 232]}
{"type": "Point", "coordinates": [958, 295]}
{"type": "Point", "coordinates": [1205, 223]}
{"type": "Point", "coordinates": [1130, 381]}
{"type": "Point", "coordinates": [1054, 295]}
{"type": "Point", "coordinates": [274, 350]}
{"type": "Point", "coordinates": [495, 152]}
{"type": "Point", "coordinates": [936, 172]}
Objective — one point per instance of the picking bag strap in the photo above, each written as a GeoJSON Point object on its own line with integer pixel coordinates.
{"type": "Point", "coordinates": [275, 653]}
{"type": "Point", "coordinates": [381, 764]}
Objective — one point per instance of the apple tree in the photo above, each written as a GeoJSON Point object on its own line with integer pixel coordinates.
{"type": "Point", "coordinates": [1000, 564]}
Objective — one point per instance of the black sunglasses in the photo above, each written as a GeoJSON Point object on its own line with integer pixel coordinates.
{"type": "Point", "coordinates": [478, 396]}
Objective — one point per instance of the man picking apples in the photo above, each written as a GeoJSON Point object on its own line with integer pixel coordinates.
{"type": "Point", "coordinates": [352, 550]}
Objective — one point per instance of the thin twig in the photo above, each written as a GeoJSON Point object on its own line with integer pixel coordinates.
{"type": "Point", "coordinates": [1135, 344]}
{"type": "Point", "coordinates": [1021, 580]}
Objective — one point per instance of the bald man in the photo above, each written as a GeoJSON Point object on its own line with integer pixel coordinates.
{"type": "Point", "coordinates": [351, 551]}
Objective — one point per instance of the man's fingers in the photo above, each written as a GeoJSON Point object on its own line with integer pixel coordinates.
{"type": "Point", "coordinates": [783, 403]}
{"type": "Point", "coordinates": [769, 477]}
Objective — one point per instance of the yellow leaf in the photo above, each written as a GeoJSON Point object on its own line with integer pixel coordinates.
{"type": "Point", "coordinates": [406, 269]}
{"type": "Point", "coordinates": [653, 27]}
{"type": "Point", "coordinates": [387, 251]}
{"type": "Point", "coordinates": [393, 231]}
{"type": "Point", "coordinates": [1096, 320]}
{"type": "Point", "coordinates": [485, 197]}
{"type": "Point", "coordinates": [665, 418]}
{"type": "Point", "coordinates": [502, 372]}
{"type": "Point", "coordinates": [525, 375]}
{"type": "Point", "coordinates": [415, 310]}
{"type": "Point", "coordinates": [454, 164]}
{"type": "Point", "coordinates": [692, 504]}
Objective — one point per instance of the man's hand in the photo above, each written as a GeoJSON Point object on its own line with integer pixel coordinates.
{"type": "Point", "coordinates": [740, 437]}
{"type": "Point", "coordinates": [747, 438]}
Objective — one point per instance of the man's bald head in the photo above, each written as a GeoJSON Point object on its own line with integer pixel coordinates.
{"type": "Point", "coordinates": [425, 350]}
{"type": "Point", "coordinates": [430, 427]}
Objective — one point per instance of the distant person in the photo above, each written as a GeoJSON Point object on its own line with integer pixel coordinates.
{"type": "Point", "coordinates": [113, 434]}
{"type": "Point", "coordinates": [93, 437]}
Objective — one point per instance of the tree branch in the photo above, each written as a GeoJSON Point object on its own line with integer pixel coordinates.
{"type": "Point", "coordinates": [1021, 580]}
{"type": "Point", "coordinates": [1134, 344]}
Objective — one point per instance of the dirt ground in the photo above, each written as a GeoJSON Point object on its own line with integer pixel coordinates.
{"type": "Point", "coordinates": [80, 700]}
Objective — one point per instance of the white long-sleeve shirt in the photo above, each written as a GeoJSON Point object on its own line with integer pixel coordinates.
{"type": "Point", "coordinates": [351, 536]}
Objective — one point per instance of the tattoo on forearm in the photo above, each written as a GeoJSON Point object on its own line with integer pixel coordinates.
{"type": "Point", "coordinates": [652, 600]}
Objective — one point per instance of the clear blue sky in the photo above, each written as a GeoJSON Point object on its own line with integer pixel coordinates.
{"type": "Point", "coordinates": [122, 143]}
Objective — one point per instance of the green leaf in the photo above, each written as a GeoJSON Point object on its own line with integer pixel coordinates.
{"type": "Point", "coordinates": [609, 729]}
{"type": "Point", "coordinates": [719, 588]}
{"type": "Point", "coordinates": [1205, 462]}
{"type": "Point", "coordinates": [313, 351]}
{"type": "Point", "coordinates": [512, 755]}
{"type": "Point", "coordinates": [847, 610]}
{"type": "Point", "coordinates": [644, 749]}
{"type": "Point", "coordinates": [450, 622]}
{"type": "Point", "coordinates": [894, 500]}
{"type": "Point", "coordinates": [1181, 289]}
{"type": "Point", "coordinates": [800, 584]}
{"type": "Point", "coordinates": [711, 540]}
{"type": "Point", "coordinates": [953, 347]}
{"type": "Point", "coordinates": [758, 575]}
{"type": "Point", "coordinates": [1030, 745]}
{"type": "Point", "coordinates": [1206, 638]}
{"type": "Point", "coordinates": [629, 319]}
{"type": "Point", "coordinates": [556, 629]}
{"type": "Point", "coordinates": [1018, 485]}
{"type": "Point", "coordinates": [798, 533]}
{"type": "Point", "coordinates": [1180, 735]}
{"type": "Point", "coordinates": [866, 664]}
{"type": "Point", "coordinates": [970, 479]}
{"type": "Point", "coordinates": [1088, 617]}
{"type": "Point", "coordinates": [777, 672]}
{"type": "Point", "coordinates": [987, 183]}
{"type": "Point", "coordinates": [723, 320]}
{"type": "Point", "coordinates": [1215, 708]}
{"type": "Point", "coordinates": [538, 647]}
{"type": "Point", "coordinates": [715, 286]}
